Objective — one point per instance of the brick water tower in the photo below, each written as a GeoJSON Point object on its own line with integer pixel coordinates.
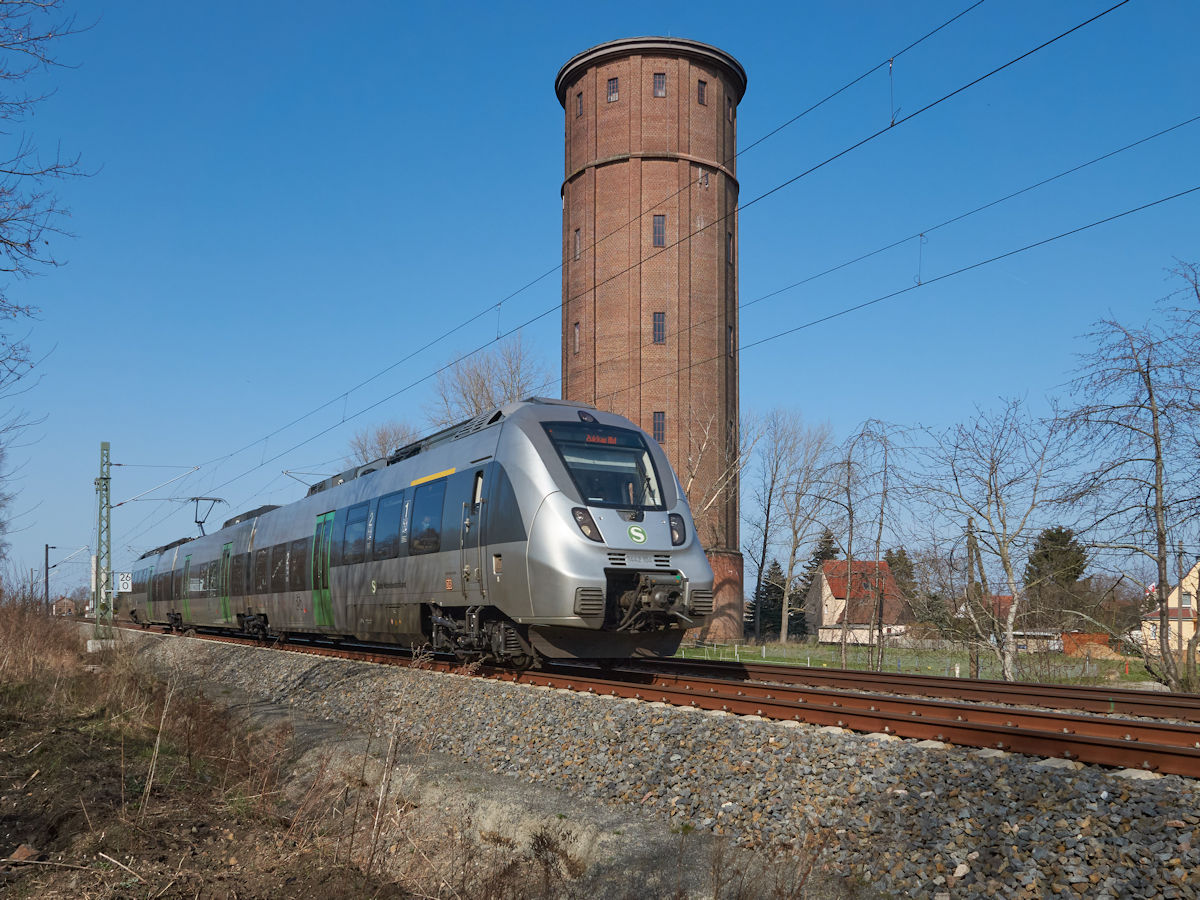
{"type": "Point", "coordinates": [650, 266]}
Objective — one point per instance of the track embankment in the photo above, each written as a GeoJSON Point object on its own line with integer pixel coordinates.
{"type": "Point", "coordinates": [902, 815]}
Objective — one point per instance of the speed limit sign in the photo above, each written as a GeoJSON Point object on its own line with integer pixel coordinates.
{"type": "Point", "coordinates": [125, 582]}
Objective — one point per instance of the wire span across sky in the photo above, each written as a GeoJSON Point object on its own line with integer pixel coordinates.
{"type": "Point", "coordinates": [314, 215]}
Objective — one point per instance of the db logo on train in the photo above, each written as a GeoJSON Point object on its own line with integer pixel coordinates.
{"type": "Point", "coordinates": [637, 534]}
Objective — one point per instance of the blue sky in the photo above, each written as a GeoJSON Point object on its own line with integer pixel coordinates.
{"type": "Point", "coordinates": [289, 198]}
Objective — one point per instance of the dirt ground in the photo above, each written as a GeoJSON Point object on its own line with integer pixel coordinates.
{"type": "Point", "coordinates": [114, 784]}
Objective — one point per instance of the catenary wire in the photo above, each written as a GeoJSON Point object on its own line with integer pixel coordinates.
{"type": "Point", "coordinates": [917, 234]}
{"type": "Point", "coordinates": [491, 307]}
{"type": "Point", "coordinates": [913, 287]}
{"type": "Point", "coordinates": [635, 265]}
{"type": "Point", "coordinates": [908, 289]}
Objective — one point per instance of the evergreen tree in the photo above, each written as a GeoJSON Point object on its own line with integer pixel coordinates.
{"type": "Point", "coordinates": [797, 618]}
{"type": "Point", "coordinates": [826, 549]}
{"type": "Point", "coordinates": [1057, 558]}
{"type": "Point", "coordinates": [901, 566]}
{"type": "Point", "coordinates": [768, 605]}
{"type": "Point", "coordinates": [1054, 580]}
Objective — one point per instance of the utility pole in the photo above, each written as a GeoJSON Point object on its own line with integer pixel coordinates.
{"type": "Point", "coordinates": [103, 596]}
{"type": "Point", "coordinates": [46, 578]}
{"type": "Point", "coordinates": [1178, 606]}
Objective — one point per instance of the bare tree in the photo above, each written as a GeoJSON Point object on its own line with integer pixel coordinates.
{"type": "Point", "coordinates": [711, 465]}
{"type": "Point", "coordinates": [509, 371]}
{"type": "Point", "coordinates": [1003, 473]}
{"type": "Point", "coordinates": [795, 458]}
{"type": "Point", "coordinates": [762, 517]}
{"type": "Point", "coordinates": [372, 443]}
{"type": "Point", "coordinates": [1137, 408]}
{"type": "Point", "coordinates": [30, 213]}
{"type": "Point", "coordinates": [857, 483]}
{"type": "Point", "coordinates": [842, 486]}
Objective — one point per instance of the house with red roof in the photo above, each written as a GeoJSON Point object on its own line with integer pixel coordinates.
{"type": "Point", "coordinates": [1181, 616]}
{"type": "Point", "coordinates": [850, 596]}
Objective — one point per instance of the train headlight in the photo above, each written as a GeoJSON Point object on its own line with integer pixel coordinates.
{"type": "Point", "coordinates": [586, 524]}
{"type": "Point", "coordinates": [678, 529]}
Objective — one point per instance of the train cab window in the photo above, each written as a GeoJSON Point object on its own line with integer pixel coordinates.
{"type": "Point", "coordinates": [299, 570]}
{"type": "Point", "coordinates": [387, 526]}
{"type": "Point", "coordinates": [354, 543]}
{"type": "Point", "coordinates": [262, 571]}
{"type": "Point", "coordinates": [610, 466]}
{"type": "Point", "coordinates": [425, 536]}
{"type": "Point", "coordinates": [279, 568]}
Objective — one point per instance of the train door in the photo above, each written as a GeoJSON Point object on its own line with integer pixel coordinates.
{"type": "Point", "coordinates": [322, 600]}
{"type": "Point", "coordinates": [150, 594]}
{"type": "Point", "coordinates": [474, 541]}
{"type": "Point", "coordinates": [223, 583]}
{"type": "Point", "coordinates": [186, 587]}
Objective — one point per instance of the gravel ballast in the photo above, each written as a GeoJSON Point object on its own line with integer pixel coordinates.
{"type": "Point", "coordinates": [908, 818]}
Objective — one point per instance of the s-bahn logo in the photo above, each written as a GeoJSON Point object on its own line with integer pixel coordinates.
{"type": "Point", "coordinates": [637, 534]}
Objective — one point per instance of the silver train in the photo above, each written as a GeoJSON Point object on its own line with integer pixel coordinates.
{"type": "Point", "coordinates": [542, 529]}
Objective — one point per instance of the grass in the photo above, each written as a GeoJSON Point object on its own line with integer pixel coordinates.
{"type": "Point", "coordinates": [1043, 668]}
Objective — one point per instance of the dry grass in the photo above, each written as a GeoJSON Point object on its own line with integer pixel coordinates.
{"type": "Point", "coordinates": [33, 645]}
{"type": "Point", "coordinates": [125, 783]}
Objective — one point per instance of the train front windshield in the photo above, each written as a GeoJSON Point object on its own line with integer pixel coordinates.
{"type": "Point", "coordinates": [610, 466]}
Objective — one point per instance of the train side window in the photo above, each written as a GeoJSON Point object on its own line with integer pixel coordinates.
{"type": "Point", "coordinates": [212, 578]}
{"type": "Point", "coordinates": [262, 580]}
{"type": "Point", "coordinates": [354, 543]}
{"type": "Point", "coordinates": [426, 531]}
{"type": "Point", "coordinates": [387, 526]}
{"type": "Point", "coordinates": [237, 578]}
{"type": "Point", "coordinates": [300, 570]}
{"type": "Point", "coordinates": [279, 568]}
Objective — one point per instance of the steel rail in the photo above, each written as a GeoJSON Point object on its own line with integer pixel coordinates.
{"type": "Point", "coordinates": [1169, 734]}
{"type": "Point", "coordinates": [1012, 737]}
{"type": "Point", "coordinates": [1097, 699]}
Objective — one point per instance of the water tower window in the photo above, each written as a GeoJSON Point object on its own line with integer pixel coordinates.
{"type": "Point", "coordinates": [612, 90]}
{"type": "Point", "coordinates": [575, 331]}
{"type": "Point", "coordinates": [578, 243]}
{"type": "Point", "coordinates": [660, 231]}
{"type": "Point", "coordinates": [702, 93]}
{"type": "Point", "coordinates": [579, 104]}
{"type": "Point", "coordinates": [660, 328]}
{"type": "Point", "coordinates": [660, 84]}
{"type": "Point", "coordinates": [660, 426]}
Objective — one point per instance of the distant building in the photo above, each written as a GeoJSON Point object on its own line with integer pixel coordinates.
{"type": "Point", "coordinates": [996, 608]}
{"type": "Point", "coordinates": [64, 607]}
{"type": "Point", "coordinates": [650, 266]}
{"type": "Point", "coordinates": [1181, 616]}
{"type": "Point", "coordinates": [856, 599]}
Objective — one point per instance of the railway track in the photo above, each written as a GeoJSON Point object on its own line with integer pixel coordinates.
{"type": "Point", "coordinates": [1086, 698]}
{"type": "Point", "coordinates": [1103, 739]}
